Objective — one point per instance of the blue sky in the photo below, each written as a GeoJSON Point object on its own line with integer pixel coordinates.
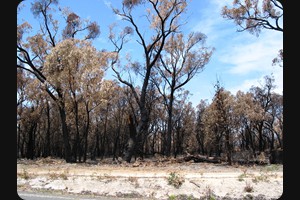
{"type": "Point", "coordinates": [240, 60]}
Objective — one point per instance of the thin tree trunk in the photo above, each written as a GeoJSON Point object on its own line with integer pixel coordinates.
{"type": "Point", "coordinates": [47, 149]}
{"type": "Point", "coordinates": [130, 146]}
{"type": "Point", "coordinates": [86, 132]}
{"type": "Point", "coordinates": [169, 127]}
{"type": "Point", "coordinates": [279, 140]}
{"type": "Point", "coordinates": [260, 142]}
{"type": "Point", "coordinates": [116, 143]}
{"type": "Point", "coordinates": [228, 146]}
{"type": "Point", "coordinates": [31, 141]}
{"type": "Point", "coordinates": [18, 140]}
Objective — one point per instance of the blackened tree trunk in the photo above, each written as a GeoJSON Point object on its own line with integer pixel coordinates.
{"type": "Point", "coordinates": [47, 147]}
{"type": "Point", "coordinates": [131, 143]}
{"type": "Point", "coordinates": [96, 151]}
{"type": "Point", "coordinates": [18, 140]}
{"type": "Point", "coordinates": [116, 143]}
{"type": "Point", "coordinates": [86, 133]}
{"type": "Point", "coordinates": [260, 137]}
{"type": "Point", "coordinates": [170, 121]}
{"type": "Point", "coordinates": [228, 146]}
{"type": "Point", "coordinates": [76, 145]}
{"type": "Point", "coordinates": [65, 131]}
{"type": "Point", "coordinates": [31, 141]}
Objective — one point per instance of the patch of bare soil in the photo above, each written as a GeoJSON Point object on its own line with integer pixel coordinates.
{"type": "Point", "coordinates": [152, 179]}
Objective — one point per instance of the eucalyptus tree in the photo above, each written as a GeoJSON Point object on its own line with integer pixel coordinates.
{"type": "Point", "coordinates": [22, 83]}
{"type": "Point", "coordinates": [199, 126]}
{"type": "Point", "coordinates": [75, 66]}
{"type": "Point", "coordinates": [222, 103]}
{"type": "Point", "coordinates": [219, 126]}
{"type": "Point", "coordinates": [180, 60]}
{"type": "Point", "coordinates": [275, 124]}
{"type": "Point", "coordinates": [248, 112]}
{"type": "Point", "coordinates": [259, 114]}
{"type": "Point", "coordinates": [33, 51]}
{"type": "Point", "coordinates": [120, 109]}
{"type": "Point", "coordinates": [162, 19]}
{"type": "Point", "coordinates": [184, 128]}
{"type": "Point", "coordinates": [271, 106]}
{"type": "Point", "coordinates": [112, 104]}
{"type": "Point", "coordinates": [31, 117]}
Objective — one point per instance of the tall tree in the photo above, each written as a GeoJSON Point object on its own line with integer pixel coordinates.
{"type": "Point", "coordinates": [32, 53]}
{"type": "Point", "coordinates": [180, 61]}
{"type": "Point", "coordinates": [248, 112]}
{"type": "Point", "coordinates": [74, 66]}
{"type": "Point", "coordinates": [222, 103]}
{"type": "Point", "coordinates": [162, 17]}
{"type": "Point", "coordinates": [199, 127]}
{"type": "Point", "coordinates": [264, 97]}
{"type": "Point", "coordinates": [218, 123]}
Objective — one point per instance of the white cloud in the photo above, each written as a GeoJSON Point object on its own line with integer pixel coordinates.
{"type": "Point", "coordinates": [107, 3]}
{"type": "Point", "coordinates": [256, 55]}
{"type": "Point", "coordinates": [241, 50]}
{"type": "Point", "coordinates": [244, 86]}
{"type": "Point", "coordinates": [211, 22]}
{"type": "Point", "coordinates": [260, 82]}
{"type": "Point", "coordinates": [241, 59]}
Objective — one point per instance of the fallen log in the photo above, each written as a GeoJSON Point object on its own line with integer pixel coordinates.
{"type": "Point", "coordinates": [201, 158]}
